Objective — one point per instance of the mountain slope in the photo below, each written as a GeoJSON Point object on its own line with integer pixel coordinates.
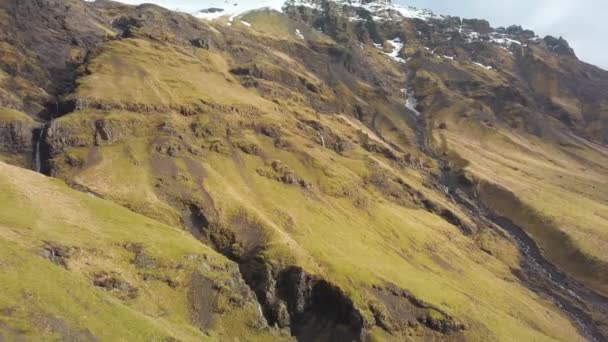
{"type": "Point", "coordinates": [375, 174]}
{"type": "Point", "coordinates": [78, 267]}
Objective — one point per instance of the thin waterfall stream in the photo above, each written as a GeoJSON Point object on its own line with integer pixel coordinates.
{"type": "Point", "coordinates": [37, 154]}
{"type": "Point", "coordinates": [540, 275]}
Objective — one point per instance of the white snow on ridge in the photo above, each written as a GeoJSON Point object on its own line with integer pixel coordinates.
{"type": "Point", "coordinates": [213, 9]}
{"type": "Point", "coordinates": [303, 3]}
{"type": "Point", "coordinates": [210, 9]}
{"type": "Point", "coordinates": [503, 40]}
{"type": "Point", "coordinates": [382, 8]}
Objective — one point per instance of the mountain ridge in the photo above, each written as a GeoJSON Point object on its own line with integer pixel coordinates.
{"type": "Point", "coordinates": [420, 180]}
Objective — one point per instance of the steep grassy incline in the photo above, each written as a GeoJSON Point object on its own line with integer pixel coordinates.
{"type": "Point", "coordinates": [557, 194]}
{"type": "Point", "coordinates": [290, 194]}
{"type": "Point", "coordinates": [527, 165]}
{"type": "Point", "coordinates": [76, 267]}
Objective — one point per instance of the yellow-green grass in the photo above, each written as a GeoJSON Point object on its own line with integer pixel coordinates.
{"type": "Point", "coordinates": [342, 228]}
{"type": "Point", "coordinates": [7, 114]}
{"type": "Point", "coordinates": [281, 26]}
{"type": "Point", "coordinates": [326, 233]}
{"type": "Point", "coordinates": [41, 300]}
{"type": "Point", "coordinates": [388, 243]}
{"type": "Point", "coordinates": [138, 72]}
{"type": "Point", "coordinates": [557, 193]}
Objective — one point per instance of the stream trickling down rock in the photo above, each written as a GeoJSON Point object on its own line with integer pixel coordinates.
{"type": "Point", "coordinates": [37, 156]}
{"type": "Point", "coordinates": [539, 275]}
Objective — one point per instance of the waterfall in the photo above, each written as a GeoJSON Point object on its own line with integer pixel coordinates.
{"type": "Point", "coordinates": [259, 306]}
{"type": "Point", "coordinates": [37, 158]}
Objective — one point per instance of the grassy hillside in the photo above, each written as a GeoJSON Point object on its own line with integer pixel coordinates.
{"type": "Point", "coordinates": [77, 267]}
{"type": "Point", "coordinates": [556, 193]}
{"type": "Point", "coordinates": [308, 176]}
{"type": "Point", "coordinates": [282, 188]}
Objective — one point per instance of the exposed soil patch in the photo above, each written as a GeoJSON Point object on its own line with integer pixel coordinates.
{"type": "Point", "coordinates": [141, 260]}
{"type": "Point", "coordinates": [202, 297]}
{"type": "Point", "coordinates": [93, 156]}
{"type": "Point", "coordinates": [400, 311]}
{"type": "Point", "coordinates": [281, 172]}
{"type": "Point", "coordinates": [60, 327]}
{"type": "Point", "coordinates": [57, 253]}
{"type": "Point", "coordinates": [248, 147]}
{"type": "Point", "coordinates": [208, 297]}
{"type": "Point", "coordinates": [113, 283]}
{"type": "Point", "coordinates": [327, 138]}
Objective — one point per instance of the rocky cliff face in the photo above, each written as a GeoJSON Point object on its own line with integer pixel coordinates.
{"type": "Point", "coordinates": [374, 172]}
{"type": "Point", "coordinates": [44, 42]}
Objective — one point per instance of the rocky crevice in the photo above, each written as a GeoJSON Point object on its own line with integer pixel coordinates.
{"type": "Point", "coordinates": [579, 303]}
{"type": "Point", "coordinates": [309, 307]}
{"type": "Point", "coordinates": [585, 308]}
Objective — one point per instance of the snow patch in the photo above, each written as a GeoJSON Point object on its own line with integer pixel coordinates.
{"type": "Point", "coordinates": [380, 9]}
{"type": "Point", "coordinates": [214, 9]}
{"type": "Point", "coordinates": [509, 51]}
{"type": "Point", "coordinates": [397, 46]}
{"type": "Point", "coordinates": [303, 3]}
{"type": "Point", "coordinates": [299, 34]}
{"type": "Point", "coordinates": [483, 66]}
{"type": "Point", "coordinates": [502, 39]}
{"type": "Point", "coordinates": [472, 36]}
{"type": "Point", "coordinates": [394, 54]}
{"type": "Point", "coordinates": [432, 52]}
{"type": "Point", "coordinates": [410, 101]}
{"type": "Point", "coordinates": [245, 23]}
{"type": "Point", "coordinates": [385, 10]}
